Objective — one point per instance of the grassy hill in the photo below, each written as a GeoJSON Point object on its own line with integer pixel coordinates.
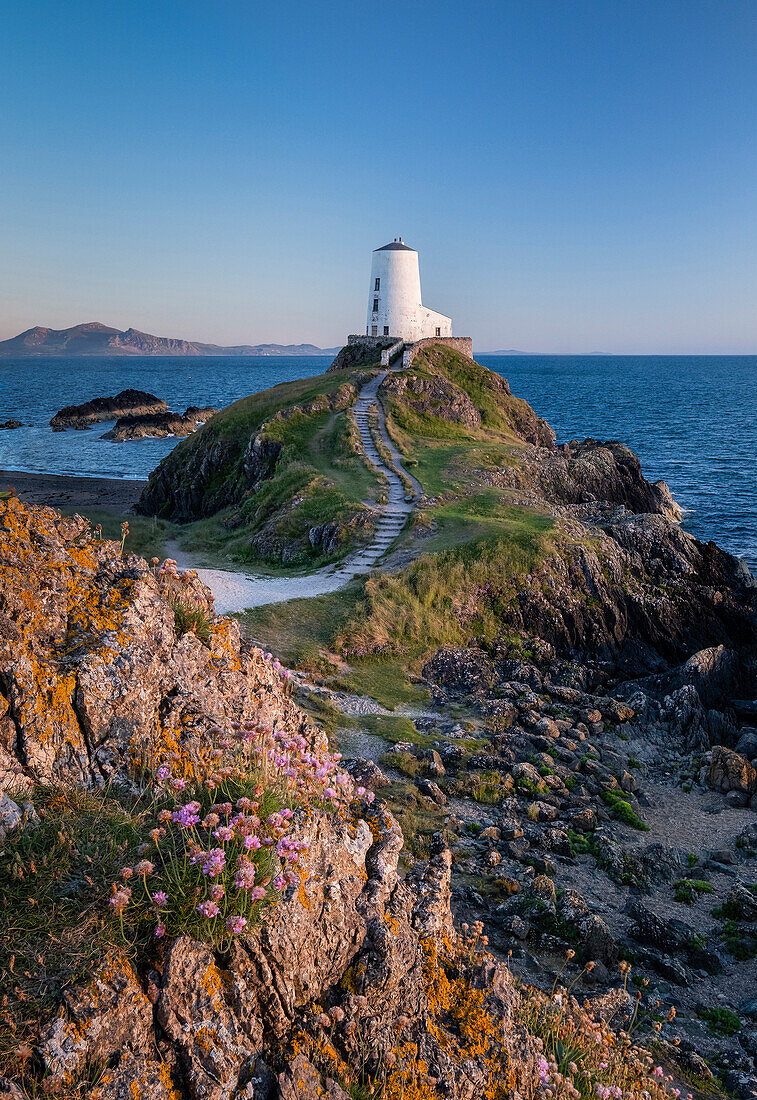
{"type": "Point", "coordinates": [262, 475]}
{"type": "Point", "coordinates": [458, 565]}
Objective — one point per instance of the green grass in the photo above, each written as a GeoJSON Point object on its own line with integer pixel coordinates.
{"type": "Point", "coordinates": [621, 809]}
{"type": "Point", "coordinates": [303, 634]}
{"type": "Point", "coordinates": [720, 1021]}
{"type": "Point", "coordinates": [686, 890]}
{"type": "Point", "coordinates": [444, 598]}
{"type": "Point", "coordinates": [386, 681]}
{"type": "Point", "coordinates": [320, 477]}
{"type": "Point", "coordinates": [54, 883]}
{"type": "Point", "coordinates": [403, 762]}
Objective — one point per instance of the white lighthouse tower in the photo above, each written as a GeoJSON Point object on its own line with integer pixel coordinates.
{"type": "Point", "coordinates": [394, 303]}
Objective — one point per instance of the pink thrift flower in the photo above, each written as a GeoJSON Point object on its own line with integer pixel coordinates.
{"type": "Point", "coordinates": [245, 879]}
{"type": "Point", "coordinates": [144, 867]}
{"type": "Point", "coordinates": [160, 930]}
{"type": "Point", "coordinates": [216, 891]}
{"type": "Point", "coordinates": [160, 897]}
{"type": "Point", "coordinates": [236, 924]}
{"type": "Point", "coordinates": [251, 841]}
{"type": "Point", "coordinates": [208, 909]}
{"type": "Point", "coordinates": [164, 771]}
{"type": "Point", "coordinates": [120, 900]}
{"type": "Point", "coordinates": [215, 862]}
{"type": "Point", "coordinates": [257, 893]}
{"type": "Point", "coordinates": [278, 882]}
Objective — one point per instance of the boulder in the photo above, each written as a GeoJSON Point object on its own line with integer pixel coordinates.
{"type": "Point", "coordinates": [730, 771]}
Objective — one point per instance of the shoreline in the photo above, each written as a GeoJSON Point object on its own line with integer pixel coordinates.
{"type": "Point", "coordinates": [67, 491]}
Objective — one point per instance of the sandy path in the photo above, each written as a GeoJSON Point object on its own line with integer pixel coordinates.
{"type": "Point", "coordinates": [237, 591]}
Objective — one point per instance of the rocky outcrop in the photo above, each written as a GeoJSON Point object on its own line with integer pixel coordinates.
{"type": "Point", "coordinates": [93, 674]}
{"type": "Point", "coordinates": [592, 473]}
{"type": "Point", "coordinates": [9, 425]}
{"type": "Point", "coordinates": [356, 975]}
{"type": "Point", "coordinates": [125, 403]}
{"type": "Point", "coordinates": [435, 396]}
{"type": "Point", "coordinates": [159, 425]}
{"type": "Point", "coordinates": [729, 771]}
{"type": "Point", "coordinates": [426, 390]}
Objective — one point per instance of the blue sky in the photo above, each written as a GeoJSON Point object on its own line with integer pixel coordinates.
{"type": "Point", "coordinates": [577, 176]}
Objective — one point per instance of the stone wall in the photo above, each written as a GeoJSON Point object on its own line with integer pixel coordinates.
{"type": "Point", "coordinates": [463, 344]}
{"type": "Point", "coordinates": [372, 341]}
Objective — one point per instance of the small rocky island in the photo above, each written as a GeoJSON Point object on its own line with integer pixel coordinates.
{"type": "Point", "coordinates": [159, 425]}
{"type": "Point", "coordinates": [125, 403]}
{"type": "Point", "coordinates": [138, 415]}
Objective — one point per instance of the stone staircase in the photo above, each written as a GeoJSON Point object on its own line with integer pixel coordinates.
{"type": "Point", "coordinates": [395, 512]}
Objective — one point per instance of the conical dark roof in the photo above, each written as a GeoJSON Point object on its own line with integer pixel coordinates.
{"type": "Point", "coordinates": [395, 246]}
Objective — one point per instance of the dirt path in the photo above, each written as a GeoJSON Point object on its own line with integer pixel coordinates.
{"type": "Point", "coordinates": [239, 590]}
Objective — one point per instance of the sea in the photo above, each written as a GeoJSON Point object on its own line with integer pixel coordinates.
{"type": "Point", "coordinates": [692, 420]}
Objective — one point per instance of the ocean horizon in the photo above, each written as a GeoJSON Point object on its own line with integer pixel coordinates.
{"type": "Point", "coordinates": [689, 418]}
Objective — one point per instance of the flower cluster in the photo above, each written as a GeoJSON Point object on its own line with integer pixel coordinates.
{"type": "Point", "coordinates": [217, 858]}
{"type": "Point", "coordinates": [582, 1056]}
{"type": "Point", "coordinates": [277, 666]}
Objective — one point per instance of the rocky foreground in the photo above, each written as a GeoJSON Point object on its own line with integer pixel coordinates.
{"type": "Point", "coordinates": [354, 982]}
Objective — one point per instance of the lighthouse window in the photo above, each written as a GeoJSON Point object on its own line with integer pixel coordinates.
{"type": "Point", "coordinates": [378, 284]}
{"type": "Point", "coordinates": [438, 332]}
{"type": "Point", "coordinates": [374, 330]}
{"type": "Point", "coordinates": [386, 330]}
{"type": "Point", "coordinates": [375, 305]}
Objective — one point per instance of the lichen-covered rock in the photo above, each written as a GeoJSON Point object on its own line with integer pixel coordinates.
{"type": "Point", "coordinates": [94, 679]}
{"type": "Point", "coordinates": [374, 956]}
{"type": "Point", "coordinates": [729, 771]}
{"type": "Point", "coordinates": [108, 1014]}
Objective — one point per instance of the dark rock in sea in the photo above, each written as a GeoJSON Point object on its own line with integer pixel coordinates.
{"type": "Point", "coordinates": [159, 425]}
{"type": "Point", "coordinates": [125, 403]}
{"type": "Point", "coordinates": [10, 424]}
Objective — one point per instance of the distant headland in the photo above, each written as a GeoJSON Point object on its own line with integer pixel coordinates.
{"type": "Point", "coordinates": [94, 338]}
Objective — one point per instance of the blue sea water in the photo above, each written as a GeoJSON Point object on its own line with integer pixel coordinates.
{"type": "Point", "coordinates": [691, 419]}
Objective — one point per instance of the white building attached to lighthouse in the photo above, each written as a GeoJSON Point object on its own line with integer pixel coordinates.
{"type": "Point", "coordinates": [394, 303]}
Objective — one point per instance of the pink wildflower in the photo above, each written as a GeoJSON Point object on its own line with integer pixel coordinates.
{"type": "Point", "coordinates": [187, 816]}
{"type": "Point", "coordinates": [251, 841]}
{"type": "Point", "coordinates": [160, 897]}
{"type": "Point", "coordinates": [144, 867]}
{"type": "Point", "coordinates": [160, 930]}
{"type": "Point", "coordinates": [236, 924]}
{"type": "Point", "coordinates": [245, 879]}
{"type": "Point", "coordinates": [164, 771]}
{"type": "Point", "coordinates": [120, 900]}
{"type": "Point", "coordinates": [214, 863]}
{"type": "Point", "coordinates": [216, 891]}
{"type": "Point", "coordinates": [208, 909]}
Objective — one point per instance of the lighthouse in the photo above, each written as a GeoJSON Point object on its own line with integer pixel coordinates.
{"type": "Point", "coordinates": [395, 307]}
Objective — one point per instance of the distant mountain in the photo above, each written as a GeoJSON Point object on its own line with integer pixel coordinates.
{"type": "Point", "coordinates": [94, 338]}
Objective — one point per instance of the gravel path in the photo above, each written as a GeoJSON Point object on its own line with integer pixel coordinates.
{"type": "Point", "coordinates": [238, 590]}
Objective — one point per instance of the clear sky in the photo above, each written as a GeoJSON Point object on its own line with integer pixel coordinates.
{"type": "Point", "coordinates": [576, 175]}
